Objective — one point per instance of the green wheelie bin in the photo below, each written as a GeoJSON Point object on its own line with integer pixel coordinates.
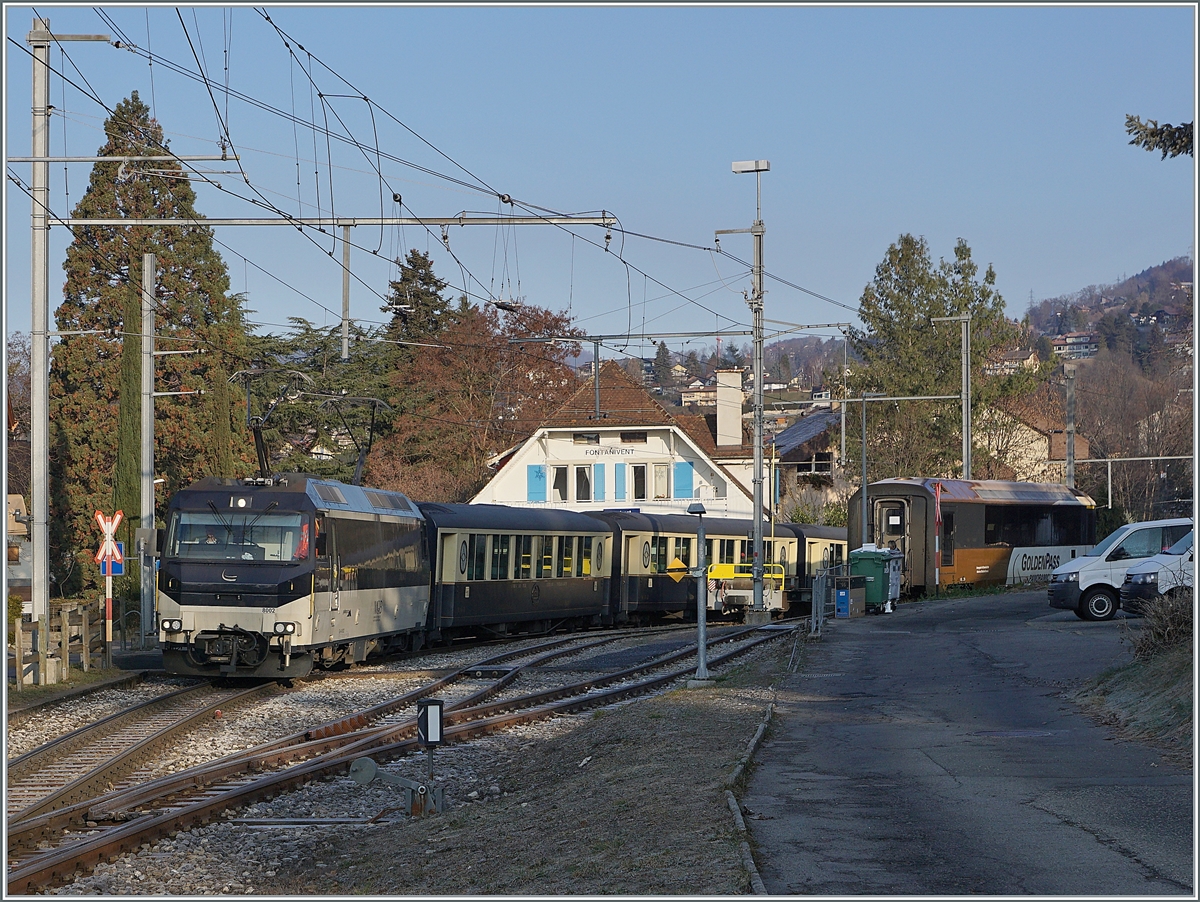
{"type": "Point", "coordinates": [880, 569]}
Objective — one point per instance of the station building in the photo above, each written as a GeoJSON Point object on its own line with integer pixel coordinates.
{"type": "Point", "coordinates": [635, 455]}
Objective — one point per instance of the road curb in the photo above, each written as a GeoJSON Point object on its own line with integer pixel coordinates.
{"type": "Point", "coordinates": [747, 858]}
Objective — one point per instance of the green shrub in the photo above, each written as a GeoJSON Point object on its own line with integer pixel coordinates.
{"type": "Point", "coordinates": [1166, 622]}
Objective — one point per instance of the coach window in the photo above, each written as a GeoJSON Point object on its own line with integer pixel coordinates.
{"type": "Point", "coordinates": [728, 550]}
{"type": "Point", "coordinates": [583, 483]}
{"type": "Point", "coordinates": [639, 482]}
{"type": "Point", "coordinates": [524, 556]}
{"type": "Point", "coordinates": [583, 566]}
{"type": "Point", "coordinates": [476, 556]}
{"type": "Point", "coordinates": [683, 551]}
{"type": "Point", "coordinates": [566, 549]}
{"type": "Point", "coordinates": [500, 548]}
{"type": "Point", "coordinates": [546, 553]}
{"type": "Point", "coordinates": [708, 554]}
{"type": "Point", "coordinates": [559, 484]}
{"type": "Point", "coordinates": [661, 486]}
{"type": "Point", "coordinates": [947, 538]}
{"type": "Point", "coordinates": [658, 554]}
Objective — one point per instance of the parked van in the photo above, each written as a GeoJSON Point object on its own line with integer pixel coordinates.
{"type": "Point", "coordinates": [1163, 574]}
{"type": "Point", "coordinates": [1090, 585]}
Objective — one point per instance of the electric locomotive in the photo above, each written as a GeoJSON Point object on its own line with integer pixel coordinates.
{"type": "Point", "coordinates": [266, 577]}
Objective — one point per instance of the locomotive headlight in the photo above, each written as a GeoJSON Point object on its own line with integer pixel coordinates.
{"type": "Point", "coordinates": [172, 626]}
{"type": "Point", "coordinates": [285, 628]}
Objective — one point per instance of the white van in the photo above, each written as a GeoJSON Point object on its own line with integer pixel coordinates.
{"type": "Point", "coordinates": [1091, 585]}
{"type": "Point", "coordinates": [1163, 574]}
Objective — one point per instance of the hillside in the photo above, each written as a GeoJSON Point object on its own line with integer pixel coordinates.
{"type": "Point", "coordinates": [1159, 287]}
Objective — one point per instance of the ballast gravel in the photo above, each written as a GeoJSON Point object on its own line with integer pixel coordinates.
{"type": "Point", "coordinates": [627, 799]}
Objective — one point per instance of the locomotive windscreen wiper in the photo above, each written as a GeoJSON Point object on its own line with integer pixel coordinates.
{"type": "Point", "coordinates": [228, 526]}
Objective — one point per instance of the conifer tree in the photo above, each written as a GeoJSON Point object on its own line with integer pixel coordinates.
{"type": "Point", "coordinates": [194, 311]}
{"type": "Point", "coordinates": [903, 353]}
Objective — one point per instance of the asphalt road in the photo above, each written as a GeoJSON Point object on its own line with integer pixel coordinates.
{"type": "Point", "coordinates": [932, 751]}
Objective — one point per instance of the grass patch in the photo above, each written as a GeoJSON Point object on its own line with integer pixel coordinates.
{"type": "Point", "coordinates": [35, 694]}
{"type": "Point", "coordinates": [1149, 700]}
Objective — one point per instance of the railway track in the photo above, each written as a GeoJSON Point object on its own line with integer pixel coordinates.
{"type": "Point", "coordinates": [48, 848]}
{"type": "Point", "coordinates": [79, 764]}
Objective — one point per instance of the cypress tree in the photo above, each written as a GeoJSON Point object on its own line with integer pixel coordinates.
{"type": "Point", "coordinates": [127, 494]}
{"type": "Point", "coordinates": [194, 311]}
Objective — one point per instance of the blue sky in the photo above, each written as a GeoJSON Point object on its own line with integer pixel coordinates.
{"type": "Point", "coordinates": [1000, 125]}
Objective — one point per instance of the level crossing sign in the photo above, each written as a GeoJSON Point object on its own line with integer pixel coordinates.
{"type": "Point", "coordinates": [111, 551]}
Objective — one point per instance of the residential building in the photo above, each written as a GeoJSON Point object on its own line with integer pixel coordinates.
{"type": "Point", "coordinates": [1076, 345]}
{"type": "Point", "coordinates": [1024, 445]}
{"type": "Point", "coordinates": [1011, 362]}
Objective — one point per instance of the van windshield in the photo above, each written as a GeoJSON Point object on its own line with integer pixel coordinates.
{"type": "Point", "coordinates": [1109, 541]}
{"type": "Point", "coordinates": [1183, 546]}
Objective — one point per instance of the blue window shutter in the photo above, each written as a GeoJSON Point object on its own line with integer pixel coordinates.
{"type": "Point", "coordinates": [598, 482]}
{"type": "Point", "coordinates": [535, 482]}
{"type": "Point", "coordinates": [618, 482]}
{"type": "Point", "coordinates": [683, 479]}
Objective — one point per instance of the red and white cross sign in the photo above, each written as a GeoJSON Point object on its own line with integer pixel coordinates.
{"type": "Point", "coordinates": [108, 547]}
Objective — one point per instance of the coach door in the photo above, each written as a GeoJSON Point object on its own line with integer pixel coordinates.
{"type": "Point", "coordinates": [892, 528]}
{"type": "Point", "coordinates": [326, 581]}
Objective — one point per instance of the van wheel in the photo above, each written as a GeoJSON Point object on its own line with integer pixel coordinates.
{"type": "Point", "coordinates": [1099, 604]}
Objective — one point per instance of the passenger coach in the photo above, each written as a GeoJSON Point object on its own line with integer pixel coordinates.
{"type": "Point", "coordinates": [991, 532]}
{"type": "Point", "coordinates": [502, 569]}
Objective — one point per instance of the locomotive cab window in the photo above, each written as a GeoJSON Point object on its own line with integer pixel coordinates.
{"type": "Point", "coordinates": [264, 536]}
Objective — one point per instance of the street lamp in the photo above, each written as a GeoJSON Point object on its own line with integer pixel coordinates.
{"type": "Point", "coordinates": [965, 319]}
{"type": "Point", "coordinates": [701, 594]}
{"type": "Point", "coordinates": [865, 395]}
{"type": "Point", "coordinates": [758, 167]}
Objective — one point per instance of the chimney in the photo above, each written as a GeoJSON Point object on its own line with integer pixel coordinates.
{"type": "Point", "coordinates": [729, 408]}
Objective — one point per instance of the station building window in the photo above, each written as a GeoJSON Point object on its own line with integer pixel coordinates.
{"type": "Point", "coordinates": [661, 482]}
{"type": "Point", "coordinates": [583, 483]}
{"type": "Point", "coordinates": [639, 482]}
{"type": "Point", "coordinates": [559, 484]}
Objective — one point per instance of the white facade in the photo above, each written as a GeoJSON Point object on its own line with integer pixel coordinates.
{"type": "Point", "coordinates": [653, 469]}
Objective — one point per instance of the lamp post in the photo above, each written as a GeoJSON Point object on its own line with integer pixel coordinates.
{"type": "Point", "coordinates": [758, 167]}
{"type": "Point", "coordinates": [965, 319]}
{"type": "Point", "coordinates": [865, 395]}
{"type": "Point", "coordinates": [701, 594]}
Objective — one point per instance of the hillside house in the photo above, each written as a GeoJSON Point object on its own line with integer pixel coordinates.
{"type": "Point", "coordinates": [1076, 345]}
{"type": "Point", "coordinates": [1012, 362]}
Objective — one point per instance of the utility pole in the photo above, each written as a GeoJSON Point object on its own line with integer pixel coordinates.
{"type": "Point", "coordinates": [149, 267]}
{"type": "Point", "coordinates": [39, 40]}
{"type": "Point", "coordinates": [1069, 372]}
{"type": "Point", "coordinates": [965, 320]}
{"type": "Point", "coordinates": [758, 167]}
